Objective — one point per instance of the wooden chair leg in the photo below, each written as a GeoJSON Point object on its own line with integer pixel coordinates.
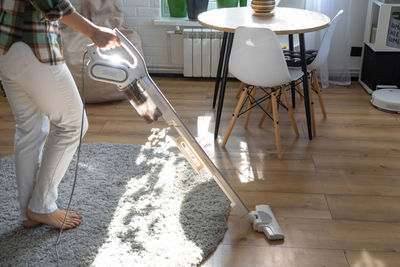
{"type": "Point", "coordinates": [246, 121]}
{"type": "Point", "coordinates": [276, 125]}
{"type": "Point", "coordinates": [240, 89]}
{"type": "Point", "coordinates": [318, 89]}
{"type": "Point", "coordinates": [300, 90]}
{"type": "Point", "coordinates": [290, 111]}
{"type": "Point", "coordinates": [267, 108]}
{"type": "Point", "coordinates": [235, 116]}
{"type": "Point", "coordinates": [311, 107]}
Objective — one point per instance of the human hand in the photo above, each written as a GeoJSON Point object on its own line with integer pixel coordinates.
{"type": "Point", "coordinates": [105, 38]}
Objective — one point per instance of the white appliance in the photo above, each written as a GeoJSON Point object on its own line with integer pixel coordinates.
{"type": "Point", "coordinates": [386, 100]}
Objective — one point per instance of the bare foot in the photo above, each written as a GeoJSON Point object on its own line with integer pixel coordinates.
{"type": "Point", "coordinates": [56, 218]}
{"type": "Point", "coordinates": [30, 224]}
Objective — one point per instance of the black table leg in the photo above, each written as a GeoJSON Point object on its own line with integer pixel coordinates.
{"type": "Point", "coordinates": [220, 63]}
{"type": "Point", "coordinates": [223, 84]}
{"type": "Point", "coordinates": [305, 84]}
{"type": "Point", "coordinates": [292, 84]}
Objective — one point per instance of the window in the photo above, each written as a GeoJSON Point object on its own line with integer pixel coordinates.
{"type": "Point", "coordinates": [165, 10]}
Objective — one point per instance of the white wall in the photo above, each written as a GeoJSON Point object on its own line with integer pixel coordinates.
{"type": "Point", "coordinates": [358, 17]}
{"type": "Point", "coordinates": [139, 15]}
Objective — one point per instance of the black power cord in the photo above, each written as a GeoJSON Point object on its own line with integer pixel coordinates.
{"type": "Point", "coordinates": [77, 160]}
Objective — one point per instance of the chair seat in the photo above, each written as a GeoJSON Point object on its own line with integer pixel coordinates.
{"type": "Point", "coordinates": [293, 57]}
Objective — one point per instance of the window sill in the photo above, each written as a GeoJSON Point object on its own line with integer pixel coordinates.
{"type": "Point", "coordinates": [170, 21]}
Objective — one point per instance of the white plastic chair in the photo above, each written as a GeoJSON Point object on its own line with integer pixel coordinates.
{"type": "Point", "coordinates": [284, 39]}
{"type": "Point", "coordinates": [321, 59]}
{"type": "Point", "coordinates": [257, 60]}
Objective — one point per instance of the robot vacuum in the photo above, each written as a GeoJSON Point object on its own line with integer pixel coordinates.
{"type": "Point", "coordinates": [386, 100]}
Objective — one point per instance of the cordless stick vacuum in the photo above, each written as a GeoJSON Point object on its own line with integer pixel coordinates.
{"type": "Point", "coordinates": [134, 81]}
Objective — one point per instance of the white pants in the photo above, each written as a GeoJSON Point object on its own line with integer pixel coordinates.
{"type": "Point", "coordinates": [39, 94]}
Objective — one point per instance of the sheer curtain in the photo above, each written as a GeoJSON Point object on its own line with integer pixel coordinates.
{"type": "Point", "coordinates": [337, 68]}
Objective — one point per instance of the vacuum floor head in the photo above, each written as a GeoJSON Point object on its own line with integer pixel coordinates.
{"type": "Point", "coordinates": [386, 100]}
{"type": "Point", "coordinates": [263, 220]}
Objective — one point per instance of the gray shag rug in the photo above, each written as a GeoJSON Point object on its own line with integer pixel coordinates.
{"type": "Point", "coordinates": [142, 206]}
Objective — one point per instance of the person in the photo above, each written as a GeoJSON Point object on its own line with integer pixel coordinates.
{"type": "Point", "coordinates": [41, 91]}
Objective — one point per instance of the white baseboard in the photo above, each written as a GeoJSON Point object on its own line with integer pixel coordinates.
{"type": "Point", "coordinates": [354, 73]}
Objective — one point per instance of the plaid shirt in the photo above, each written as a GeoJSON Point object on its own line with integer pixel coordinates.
{"type": "Point", "coordinates": [34, 22]}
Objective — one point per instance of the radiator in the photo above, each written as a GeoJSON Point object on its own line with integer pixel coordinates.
{"type": "Point", "coordinates": [201, 48]}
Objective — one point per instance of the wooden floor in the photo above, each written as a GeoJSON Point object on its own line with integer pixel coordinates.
{"type": "Point", "coordinates": [336, 198]}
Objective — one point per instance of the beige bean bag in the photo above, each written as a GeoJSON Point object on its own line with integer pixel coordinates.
{"type": "Point", "coordinates": [103, 13]}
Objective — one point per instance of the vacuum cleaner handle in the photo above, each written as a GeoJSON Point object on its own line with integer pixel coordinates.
{"type": "Point", "coordinates": [94, 52]}
{"type": "Point", "coordinates": [139, 65]}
